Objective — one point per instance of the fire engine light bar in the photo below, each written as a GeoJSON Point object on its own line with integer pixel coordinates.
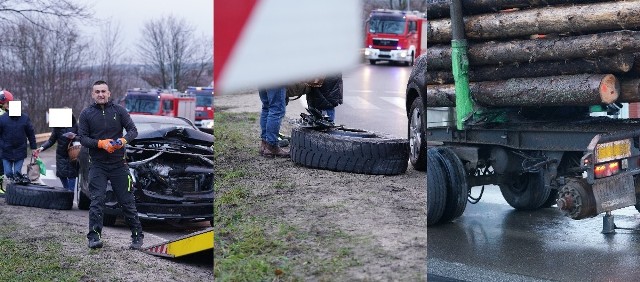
{"type": "Point", "coordinates": [613, 150]}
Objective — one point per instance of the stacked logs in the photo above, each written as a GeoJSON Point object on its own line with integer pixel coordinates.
{"type": "Point", "coordinates": [538, 53]}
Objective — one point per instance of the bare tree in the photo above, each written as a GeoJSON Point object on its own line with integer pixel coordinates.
{"type": "Point", "coordinates": [175, 57]}
{"type": "Point", "coordinates": [37, 11]}
{"type": "Point", "coordinates": [45, 69]}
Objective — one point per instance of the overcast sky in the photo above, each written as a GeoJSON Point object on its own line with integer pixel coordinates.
{"type": "Point", "coordinates": [132, 14]}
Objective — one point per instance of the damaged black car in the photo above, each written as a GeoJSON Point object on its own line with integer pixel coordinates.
{"type": "Point", "coordinates": [171, 165]}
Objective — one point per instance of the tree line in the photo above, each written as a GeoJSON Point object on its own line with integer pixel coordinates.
{"type": "Point", "coordinates": [46, 62]}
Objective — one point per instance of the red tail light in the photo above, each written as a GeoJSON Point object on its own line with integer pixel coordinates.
{"type": "Point", "coordinates": [607, 169]}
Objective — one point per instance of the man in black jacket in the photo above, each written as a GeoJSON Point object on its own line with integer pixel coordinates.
{"type": "Point", "coordinates": [100, 130]}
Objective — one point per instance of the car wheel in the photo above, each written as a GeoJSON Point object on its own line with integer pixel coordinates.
{"type": "Point", "coordinates": [39, 196]}
{"type": "Point", "coordinates": [373, 62]}
{"type": "Point", "coordinates": [349, 150]}
{"type": "Point", "coordinates": [417, 136]}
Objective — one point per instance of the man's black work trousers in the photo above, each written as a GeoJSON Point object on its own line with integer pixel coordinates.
{"type": "Point", "coordinates": [118, 174]}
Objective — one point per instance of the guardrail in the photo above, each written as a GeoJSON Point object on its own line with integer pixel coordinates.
{"type": "Point", "coordinates": [41, 137]}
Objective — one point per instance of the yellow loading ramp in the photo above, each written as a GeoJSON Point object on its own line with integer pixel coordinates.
{"type": "Point", "coordinates": [186, 245]}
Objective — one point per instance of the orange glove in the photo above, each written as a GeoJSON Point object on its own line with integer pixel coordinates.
{"type": "Point", "coordinates": [106, 145]}
{"type": "Point", "coordinates": [120, 144]}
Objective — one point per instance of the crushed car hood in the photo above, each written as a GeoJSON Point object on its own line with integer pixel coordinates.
{"type": "Point", "coordinates": [187, 135]}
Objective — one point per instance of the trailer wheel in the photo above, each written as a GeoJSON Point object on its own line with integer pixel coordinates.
{"type": "Point", "coordinates": [526, 191]}
{"type": "Point", "coordinates": [436, 188]}
{"type": "Point", "coordinates": [349, 150]}
{"type": "Point", "coordinates": [417, 135]}
{"type": "Point", "coordinates": [457, 189]}
{"type": "Point", "coordinates": [39, 196]}
{"type": "Point", "coordinates": [551, 200]}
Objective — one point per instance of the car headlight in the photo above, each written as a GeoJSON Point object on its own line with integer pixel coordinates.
{"type": "Point", "coordinates": [206, 123]}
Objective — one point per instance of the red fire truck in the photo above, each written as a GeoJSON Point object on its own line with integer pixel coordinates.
{"type": "Point", "coordinates": [160, 102]}
{"type": "Point", "coordinates": [204, 107]}
{"type": "Point", "coordinates": [395, 36]}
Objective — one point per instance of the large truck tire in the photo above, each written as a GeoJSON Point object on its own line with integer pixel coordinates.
{"type": "Point", "coordinates": [526, 191]}
{"type": "Point", "coordinates": [417, 135]}
{"type": "Point", "coordinates": [436, 188]}
{"type": "Point", "coordinates": [39, 196]}
{"type": "Point", "coordinates": [349, 150]}
{"type": "Point", "coordinates": [457, 188]}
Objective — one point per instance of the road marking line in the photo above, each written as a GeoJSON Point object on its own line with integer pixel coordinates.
{"type": "Point", "coordinates": [359, 103]}
{"type": "Point", "coordinates": [396, 101]}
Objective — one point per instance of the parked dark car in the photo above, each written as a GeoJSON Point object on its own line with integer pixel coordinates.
{"type": "Point", "coordinates": [171, 164]}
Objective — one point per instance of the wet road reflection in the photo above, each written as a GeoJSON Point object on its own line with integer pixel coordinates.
{"type": "Point", "coordinates": [543, 244]}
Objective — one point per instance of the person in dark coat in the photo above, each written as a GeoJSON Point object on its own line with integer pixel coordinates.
{"type": "Point", "coordinates": [326, 97]}
{"type": "Point", "coordinates": [14, 133]}
{"type": "Point", "coordinates": [66, 170]}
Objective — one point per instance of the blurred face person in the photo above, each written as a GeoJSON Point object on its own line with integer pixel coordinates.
{"type": "Point", "coordinates": [100, 93]}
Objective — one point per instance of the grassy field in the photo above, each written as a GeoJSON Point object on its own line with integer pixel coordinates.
{"type": "Point", "coordinates": [30, 259]}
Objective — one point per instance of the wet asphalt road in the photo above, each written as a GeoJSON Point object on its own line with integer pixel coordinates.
{"type": "Point", "coordinates": [493, 242]}
{"type": "Point", "coordinates": [374, 99]}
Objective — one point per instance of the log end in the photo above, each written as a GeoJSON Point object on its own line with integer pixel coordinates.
{"type": "Point", "coordinates": [609, 89]}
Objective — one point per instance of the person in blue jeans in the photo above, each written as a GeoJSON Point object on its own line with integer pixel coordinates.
{"type": "Point", "coordinates": [14, 133]}
{"type": "Point", "coordinates": [273, 110]}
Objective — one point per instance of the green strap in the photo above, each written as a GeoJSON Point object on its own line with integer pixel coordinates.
{"type": "Point", "coordinates": [460, 65]}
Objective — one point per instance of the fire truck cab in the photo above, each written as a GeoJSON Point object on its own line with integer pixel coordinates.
{"type": "Point", "coordinates": [393, 36]}
{"type": "Point", "coordinates": [204, 107]}
{"type": "Point", "coordinates": [160, 102]}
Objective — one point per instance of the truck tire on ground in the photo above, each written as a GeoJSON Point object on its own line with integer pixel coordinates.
{"type": "Point", "coordinates": [349, 150]}
{"type": "Point", "coordinates": [526, 191]}
{"type": "Point", "coordinates": [39, 196]}
{"type": "Point", "coordinates": [417, 135]}
{"type": "Point", "coordinates": [436, 188]}
{"type": "Point", "coordinates": [457, 188]}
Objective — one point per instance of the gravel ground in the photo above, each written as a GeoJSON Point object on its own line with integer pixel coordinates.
{"type": "Point", "coordinates": [383, 217]}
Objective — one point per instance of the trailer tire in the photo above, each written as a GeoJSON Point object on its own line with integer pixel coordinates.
{"type": "Point", "coordinates": [551, 200]}
{"type": "Point", "coordinates": [457, 188]}
{"type": "Point", "coordinates": [39, 196]}
{"type": "Point", "coordinates": [436, 188]}
{"type": "Point", "coordinates": [417, 135]}
{"type": "Point", "coordinates": [349, 150]}
{"type": "Point", "coordinates": [526, 192]}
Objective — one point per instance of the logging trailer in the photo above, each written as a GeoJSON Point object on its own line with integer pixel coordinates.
{"type": "Point", "coordinates": [542, 141]}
